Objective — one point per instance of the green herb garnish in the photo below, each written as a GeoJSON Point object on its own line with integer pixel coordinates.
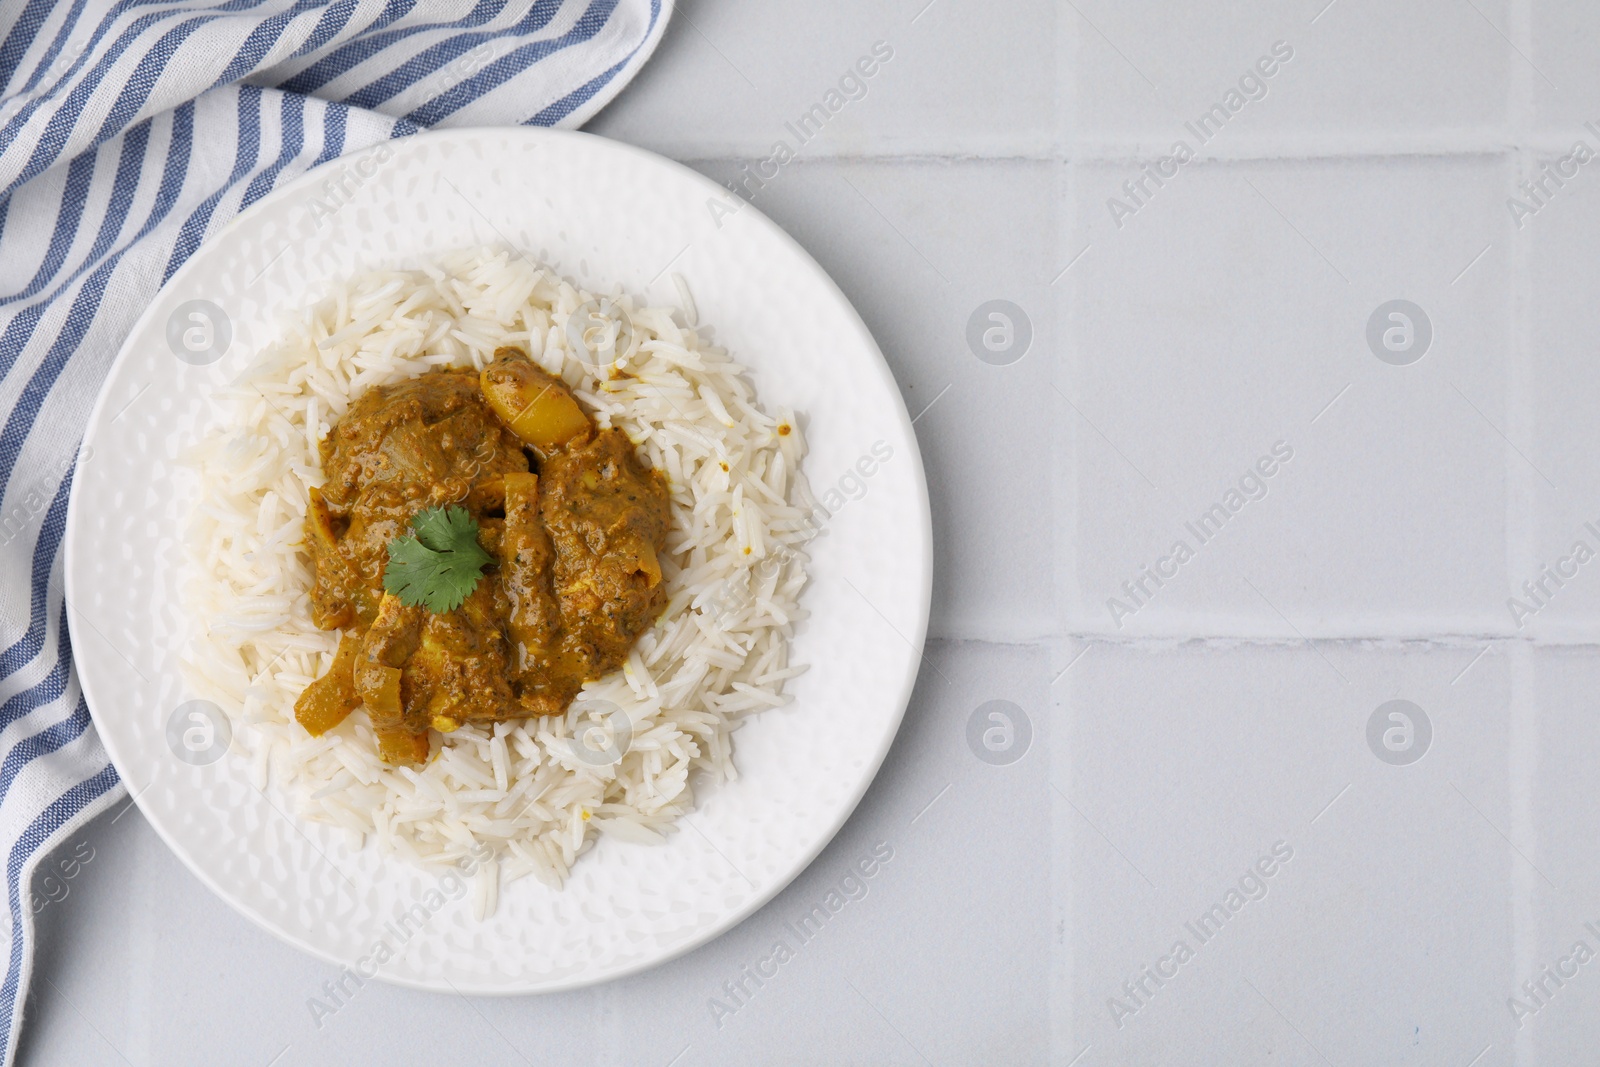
{"type": "Point", "coordinates": [439, 565]}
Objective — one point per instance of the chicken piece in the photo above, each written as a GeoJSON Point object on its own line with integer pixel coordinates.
{"type": "Point", "coordinates": [397, 744]}
{"type": "Point", "coordinates": [534, 618]}
{"type": "Point", "coordinates": [458, 672]}
{"type": "Point", "coordinates": [606, 516]}
{"type": "Point", "coordinates": [386, 648]}
{"type": "Point", "coordinates": [339, 597]}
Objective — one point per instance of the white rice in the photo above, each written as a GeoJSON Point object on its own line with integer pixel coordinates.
{"type": "Point", "coordinates": [734, 568]}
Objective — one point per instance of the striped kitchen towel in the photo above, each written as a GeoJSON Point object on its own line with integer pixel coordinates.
{"type": "Point", "coordinates": [129, 131]}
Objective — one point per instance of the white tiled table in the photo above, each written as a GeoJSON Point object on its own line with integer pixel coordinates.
{"type": "Point", "coordinates": [1175, 745]}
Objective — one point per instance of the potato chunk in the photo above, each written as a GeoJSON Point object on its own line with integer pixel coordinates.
{"type": "Point", "coordinates": [326, 701]}
{"type": "Point", "coordinates": [537, 407]}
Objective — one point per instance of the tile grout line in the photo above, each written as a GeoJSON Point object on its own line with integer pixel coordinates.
{"type": "Point", "coordinates": [1432, 642]}
{"type": "Point", "coordinates": [1063, 1020]}
{"type": "Point", "coordinates": [1522, 749]}
{"type": "Point", "coordinates": [1279, 148]}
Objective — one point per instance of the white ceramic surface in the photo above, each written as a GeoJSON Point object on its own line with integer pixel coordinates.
{"type": "Point", "coordinates": [605, 215]}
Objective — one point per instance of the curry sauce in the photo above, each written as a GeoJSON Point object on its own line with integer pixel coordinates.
{"type": "Point", "coordinates": [573, 522]}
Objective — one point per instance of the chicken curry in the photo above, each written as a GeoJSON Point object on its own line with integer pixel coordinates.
{"type": "Point", "coordinates": [569, 528]}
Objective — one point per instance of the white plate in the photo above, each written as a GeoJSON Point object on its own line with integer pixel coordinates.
{"type": "Point", "coordinates": [603, 214]}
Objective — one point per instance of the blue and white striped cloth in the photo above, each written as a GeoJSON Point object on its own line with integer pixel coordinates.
{"type": "Point", "coordinates": [129, 130]}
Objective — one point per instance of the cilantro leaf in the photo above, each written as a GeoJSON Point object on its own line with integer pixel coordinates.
{"type": "Point", "coordinates": [439, 564]}
{"type": "Point", "coordinates": [447, 529]}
